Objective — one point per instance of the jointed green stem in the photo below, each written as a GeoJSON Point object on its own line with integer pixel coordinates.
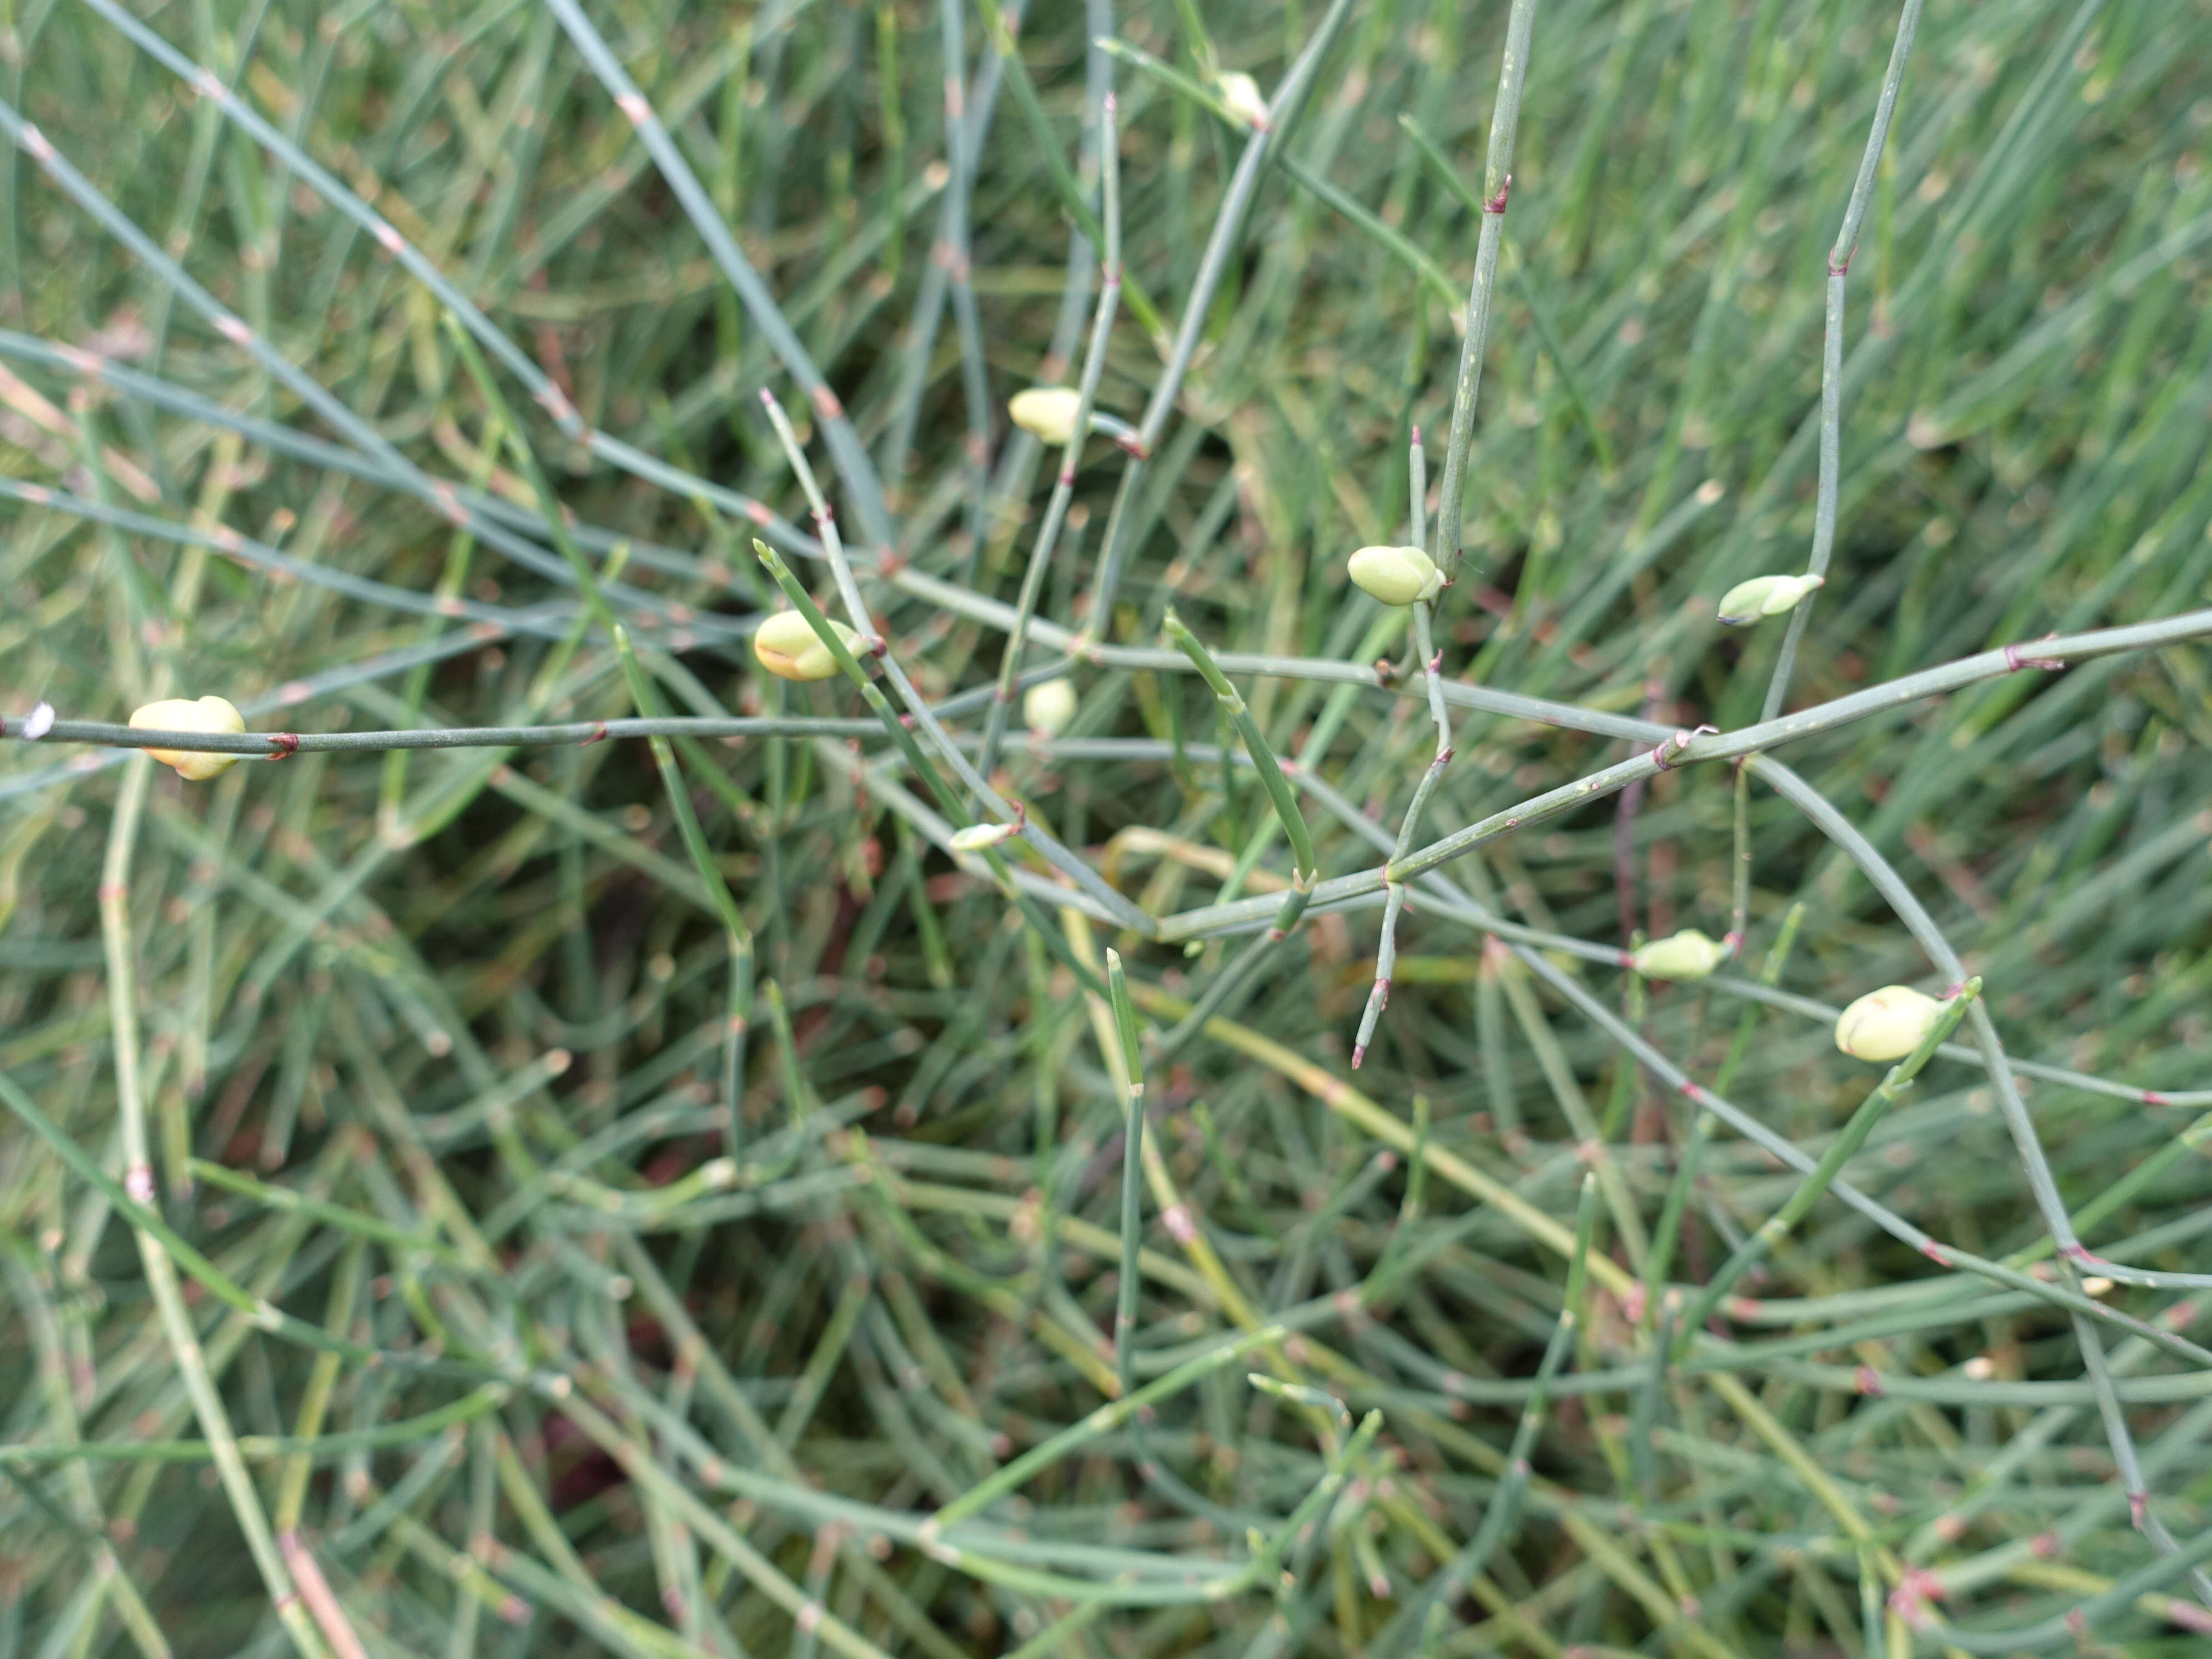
{"type": "Point", "coordinates": [1256, 744]}
{"type": "Point", "coordinates": [1841, 1151]}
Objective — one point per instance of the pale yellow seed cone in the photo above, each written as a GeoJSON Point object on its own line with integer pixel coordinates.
{"type": "Point", "coordinates": [1047, 412]}
{"type": "Point", "coordinates": [190, 715]}
{"type": "Point", "coordinates": [788, 648]}
{"type": "Point", "coordinates": [1887, 1024]}
{"type": "Point", "coordinates": [1242, 94]}
{"type": "Point", "coordinates": [1048, 706]}
{"type": "Point", "coordinates": [1687, 955]}
{"type": "Point", "coordinates": [1396, 575]}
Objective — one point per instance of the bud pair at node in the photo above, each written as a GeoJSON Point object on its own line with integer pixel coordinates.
{"type": "Point", "coordinates": [1881, 1025]}
{"type": "Point", "coordinates": [188, 714]}
{"type": "Point", "coordinates": [786, 645]}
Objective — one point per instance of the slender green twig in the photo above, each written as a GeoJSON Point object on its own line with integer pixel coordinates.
{"type": "Point", "coordinates": [1063, 489]}
{"type": "Point", "coordinates": [1133, 1188]}
{"type": "Point", "coordinates": [1497, 191]}
{"type": "Point", "coordinates": [916, 760]}
{"type": "Point", "coordinates": [1869, 1113]}
{"type": "Point", "coordinates": [1097, 228]}
{"type": "Point", "coordinates": [972, 782]}
{"type": "Point", "coordinates": [1831, 353]}
{"type": "Point", "coordinates": [1256, 744]}
{"type": "Point", "coordinates": [1431, 663]}
{"type": "Point", "coordinates": [154, 1253]}
{"type": "Point", "coordinates": [1104, 1420]}
{"type": "Point", "coordinates": [1665, 1238]}
{"type": "Point", "coordinates": [1285, 111]}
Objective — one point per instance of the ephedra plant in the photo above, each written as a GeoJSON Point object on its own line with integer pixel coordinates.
{"type": "Point", "coordinates": [1254, 831]}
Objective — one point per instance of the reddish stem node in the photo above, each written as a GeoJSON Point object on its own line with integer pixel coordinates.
{"type": "Point", "coordinates": [2015, 661]}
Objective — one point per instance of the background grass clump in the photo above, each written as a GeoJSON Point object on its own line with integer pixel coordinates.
{"type": "Point", "coordinates": [471, 1187]}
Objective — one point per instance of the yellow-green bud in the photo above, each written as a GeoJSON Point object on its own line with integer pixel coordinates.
{"type": "Point", "coordinates": [1687, 955]}
{"type": "Point", "coordinates": [1048, 706]}
{"type": "Point", "coordinates": [977, 837]}
{"type": "Point", "coordinates": [1887, 1024]}
{"type": "Point", "coordinates": [184, 714]}
{"type": "Point", "coordinates": [1766, 596]}
{"type": "Point", "coordinates": [1397, 576]}
{"type": "Point", "coordinates": [788, 648]}
{"type": "Point", "coordinates": [1047, 412]}
{"type": "Point", "coordinates": [1241, 93]}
